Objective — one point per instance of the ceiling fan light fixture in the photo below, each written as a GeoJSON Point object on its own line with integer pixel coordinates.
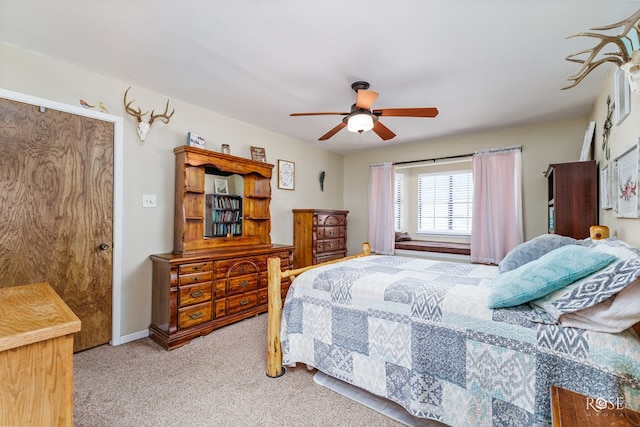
{"type": "Point", "coordinates": [360, 123]}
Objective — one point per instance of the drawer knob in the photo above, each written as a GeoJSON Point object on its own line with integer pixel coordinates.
{"type": "Point", "coordinates": [332, 233]}
{"type": "Point", "coordinates": [196, 294]}
{"type": "Point", "coordinates": [196, 278]}
{"type": "Point", "coordinates": [195, 316]}
{"type": "Point", "coordinates": [244, 301]}
{"type": "Point", "coordinates": [243, 283]}
{"type": "Point", "coordinates": [197, 267]}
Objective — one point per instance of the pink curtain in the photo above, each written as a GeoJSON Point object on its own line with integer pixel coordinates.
{"type": "Point", "coordinates": [381, 228]}
{"type": "Point", "coordinates": [497, 204]}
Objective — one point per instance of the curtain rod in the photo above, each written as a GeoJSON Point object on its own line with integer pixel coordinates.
{"type": "Point", "coordinates": [460, 156]}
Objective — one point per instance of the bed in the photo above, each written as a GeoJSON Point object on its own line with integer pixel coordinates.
{"type": "Point", "coordinates": [421, 333]}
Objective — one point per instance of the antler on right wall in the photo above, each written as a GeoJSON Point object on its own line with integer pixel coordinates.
{"type": "Point", "coordinates": [625, 53]}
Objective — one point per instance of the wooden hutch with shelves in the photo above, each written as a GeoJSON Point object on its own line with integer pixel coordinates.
{"type": "Point", "coordinates": [572, 198]}
{"type": "Point", "coordinates": [214, 278]}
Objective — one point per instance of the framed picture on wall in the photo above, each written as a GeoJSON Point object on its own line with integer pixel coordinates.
{"type": "Point", "coordinates": [605, 188]}
{"type": "Point", "coordinates": [286, 175]}
{"type": "Point", "coordinates": [221, 186]}
{"type": "Point", "coordinates": [625, 183]}
{"type": "Point", "coordinates": [622, 96]}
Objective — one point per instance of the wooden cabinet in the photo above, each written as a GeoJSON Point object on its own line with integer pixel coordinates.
{"type": "Point", "coordinates": [36, 357]}
{"type": "Point", "coordinates": [194, 294]}
{"type": "Point", "coordinates": [193, 166]}
{"type": "Point", "coordinates": [319, 235]}
{"type": "Point", "coordinates": [217, 273]}
{"type": "Point", "coordinates": [572, 198]}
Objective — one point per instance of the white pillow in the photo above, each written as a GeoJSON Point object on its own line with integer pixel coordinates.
{"type": "Point", "coordinates": [613, 315]}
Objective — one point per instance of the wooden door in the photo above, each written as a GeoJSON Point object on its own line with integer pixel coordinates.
{"type": "Point", "coordinates": [56, 200]}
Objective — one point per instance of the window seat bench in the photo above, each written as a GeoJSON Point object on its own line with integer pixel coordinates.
{"type": "Point", "coordinates": [430, 246]}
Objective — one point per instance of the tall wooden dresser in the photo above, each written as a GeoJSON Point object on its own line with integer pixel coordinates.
{"type": "Point", "coordinates": [572, 198]}
{"type": "Point", "coordinates": [319, 235]}
{"type": "Point", "coordinates": [217, 272]}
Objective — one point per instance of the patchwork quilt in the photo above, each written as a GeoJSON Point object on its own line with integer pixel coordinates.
{"type": "Point", "coordinates": [419, 333]}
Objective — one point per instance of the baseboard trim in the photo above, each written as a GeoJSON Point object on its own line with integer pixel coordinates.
{"type": "Point", "coordinates": [132, 337]}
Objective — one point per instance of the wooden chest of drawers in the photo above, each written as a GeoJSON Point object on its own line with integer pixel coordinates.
{"type": "Point", "coordinates": [194, 294]}
{"type": "Point", "coordinates": [319, 235]}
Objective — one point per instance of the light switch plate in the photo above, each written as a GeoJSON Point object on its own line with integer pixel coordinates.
{"type": "Point", "coordinates": [149, 201]}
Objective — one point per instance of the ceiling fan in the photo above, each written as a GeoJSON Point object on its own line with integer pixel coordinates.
{"type": "Point", "coordinates": [362, 118]}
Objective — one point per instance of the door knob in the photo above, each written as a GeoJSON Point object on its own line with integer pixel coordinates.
{"type": "Point", "coordinates": [104, 246]}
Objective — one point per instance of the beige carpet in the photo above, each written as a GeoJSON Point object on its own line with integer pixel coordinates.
{"type": "Point", "coordinates": [216, 380]}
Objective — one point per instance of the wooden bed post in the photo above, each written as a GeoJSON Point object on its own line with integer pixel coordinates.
{"type": "Point", "coordinates": [274, 294]}
{"type": "Point", "coordinates": [274, 352]}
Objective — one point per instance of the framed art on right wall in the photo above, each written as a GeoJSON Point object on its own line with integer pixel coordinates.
{"type": "Point", "coordinates": [605, 187]}
{"type": "Point", "coordinates": [625, 179]}
{"type": "Point", "coordinates": [622, 96]}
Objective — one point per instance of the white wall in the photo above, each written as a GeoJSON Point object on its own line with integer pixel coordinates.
{"type": "Point", "coordinates": [621, 137]}
{"type": "Point", "coordinates": [541, 145]}
{"type": "Point", "coordinates": [149, 168]}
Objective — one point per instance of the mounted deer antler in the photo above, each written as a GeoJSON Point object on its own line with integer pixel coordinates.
{"type": "Point", "coordinates": [143, 127]}
{"type": "Point", "coordinates": [622, 55]}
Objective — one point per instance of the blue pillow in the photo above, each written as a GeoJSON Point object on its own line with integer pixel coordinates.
{"type": "Point", "coordinates": [550, 272]}
{"type": "Point", "coordinates": [532, 250]}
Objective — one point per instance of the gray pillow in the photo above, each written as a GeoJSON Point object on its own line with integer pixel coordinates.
{"type": "Point", "coordinates": [532, 250]}
{"type": "Point", "coordinates": [402, 236]}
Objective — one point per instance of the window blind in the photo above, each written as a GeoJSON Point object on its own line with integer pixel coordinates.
{"type": "Point", "coordinates": [445, 202]}
{"type": "Point", "coordinates": [399, 200]}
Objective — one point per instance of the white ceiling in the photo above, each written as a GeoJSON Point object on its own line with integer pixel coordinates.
{"type": "Point", "coordinates": [485, 64]}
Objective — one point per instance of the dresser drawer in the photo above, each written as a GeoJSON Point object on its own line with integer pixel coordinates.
{"type": "Point", "coordinates": [236, 285]}
{"type": "Point", "coordinates": [330, 232]}
{"type": "Point", "coordinates": [330, 257]}
{"type": "Point", "coordinates": [194, 315]}
{"type": "Point", "coordinates": [227, 306]}
{"type": "Point", "coordinates": [239, 266]}
{"type": "Point", "coordinates": [193, 294]}
{"type": "Point", "coordinates": [195, 268]}
{"type": "Point", "coordinates": [242, 302]}
{"type": "Point", "coordinates": [190, 279]}
{"type": "Point", "coordinates": [330, 245]}
{"type": "Point", "coordinates": [330, 219]}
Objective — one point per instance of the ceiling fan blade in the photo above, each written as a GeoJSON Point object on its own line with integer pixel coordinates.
{"type": "Point", "coordinates": [383, 132]}
{"type": "Point", "coordinates": [365, 98]}
{"type": "Point", "coordinates": [318, 114]}
{"type": "Point", "coordinates": [407, 112]}
{"type": "Point", "coordinates": [332, 132]}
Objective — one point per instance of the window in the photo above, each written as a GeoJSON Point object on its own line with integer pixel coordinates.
{"type": "Point", "coordinates": [445, 202]}
{"type": "Point", "coordinates": [398, 202]}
